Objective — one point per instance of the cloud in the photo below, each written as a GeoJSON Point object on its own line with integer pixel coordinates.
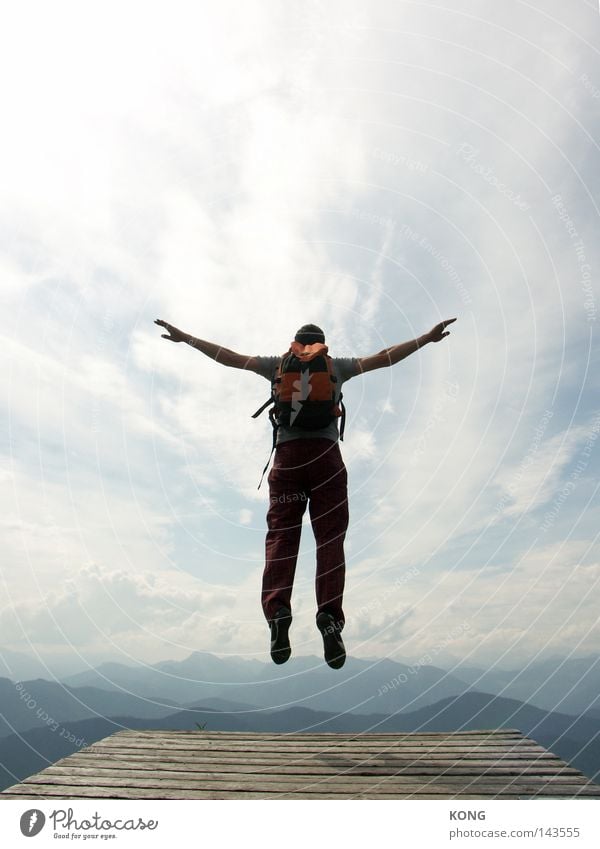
{"type": "Point", "coordinates": [534, 480]}
{"type": "Point", "coordinates": [522, 609]}
{"type": "Point", "coordinates": [238, 170]}
{"type": "Point", "coordinates": [95, 606]}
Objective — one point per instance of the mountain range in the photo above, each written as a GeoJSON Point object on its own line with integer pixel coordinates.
{"type": "Point", "coordinates": [556, 702]}
{"type": "Point", "coordinates": [567, 685]}
{"type": "Point", "coordinates": [575, 739]}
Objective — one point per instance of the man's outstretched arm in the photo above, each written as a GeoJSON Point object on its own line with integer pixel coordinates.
{"type": "Point", "coordinates": [393, 355]}
{"type": "Point", "coordinates": [221, 355]}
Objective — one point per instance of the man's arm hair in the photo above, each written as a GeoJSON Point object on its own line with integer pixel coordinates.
{"type": "Point", "coordinates": [225, 356]}
{"type": "Point", "coordinates": [391, 356]}
{"type": "Point", "coordinates": [216, 352]}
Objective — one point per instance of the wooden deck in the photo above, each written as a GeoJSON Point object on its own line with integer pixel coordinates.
{"type": "Point", "coordinates": [495, 764]}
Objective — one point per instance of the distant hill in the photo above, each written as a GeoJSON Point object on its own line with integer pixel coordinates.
{"type": "Point", "coordinates": [570, 685]}
{"type": "Point", "coordinates": [363, 686]}
{"type": "Point", "coordinates": [43, 704]}
{"type": "Point", "coordinates": [19, 665]}
{"type": "Point", "coordinates": [198, 669]}
{"type": "Point", "coordinates": [595, 712]}
{"type": "Point", "coordinates": [575, 739]}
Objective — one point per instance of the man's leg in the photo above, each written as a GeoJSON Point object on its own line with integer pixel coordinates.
{"type": "Point", "coordinates": [287, 503]}
{"type": "Point", "coordinates": [329, 518]}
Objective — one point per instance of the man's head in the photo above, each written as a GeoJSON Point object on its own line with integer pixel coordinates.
{"type": "Point", "coordinates": [308, 334]}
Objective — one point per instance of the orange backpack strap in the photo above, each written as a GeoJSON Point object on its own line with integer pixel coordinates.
{"type": "Point", "coordinates": [284, 381]}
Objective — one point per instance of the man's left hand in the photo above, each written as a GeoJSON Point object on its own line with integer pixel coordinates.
{"type": "Point", "coordinates": [436, 334]}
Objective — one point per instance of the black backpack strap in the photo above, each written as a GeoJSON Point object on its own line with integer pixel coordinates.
{"type": "Point", "coordinates": [272, 415]}
{"type": "Point", "coordinates": [275, 429]}
{"type": "Point", "coordinates": [334, 380]}
{"type": "Point", "coordinates": [271, 400]}
{"type": "Point", "coordinates": [343, 421]}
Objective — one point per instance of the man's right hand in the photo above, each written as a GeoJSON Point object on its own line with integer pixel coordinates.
{"type": "Point", "coordinates": [216, 352]}
{"type": "Point", "coordinates": [174, 334]}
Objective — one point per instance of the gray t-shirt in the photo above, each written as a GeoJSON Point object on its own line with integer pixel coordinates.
{"type": "Point", "coordinates": [343, 368]}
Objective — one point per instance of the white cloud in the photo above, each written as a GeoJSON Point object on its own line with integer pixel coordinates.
{"type": "Point", "coordinates": [534, 606]}
{"type": "Point", "coordinates": [94, 605]}
{"type": "Point", "coordinates": [238, 170]}
{"type": "Point", "coordinates": [535, 479]}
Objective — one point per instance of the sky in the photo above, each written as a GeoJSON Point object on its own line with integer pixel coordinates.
{"type": "Point", "coordinates": [239, 170]}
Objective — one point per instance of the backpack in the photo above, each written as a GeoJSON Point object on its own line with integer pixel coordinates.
{"type": "Point", "coordinates": [303, 392]}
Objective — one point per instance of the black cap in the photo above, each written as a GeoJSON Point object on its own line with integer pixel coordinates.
{"type": "Point", "coordinates": [308, 334]}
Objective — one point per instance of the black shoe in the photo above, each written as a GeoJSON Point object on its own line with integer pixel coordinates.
{"type": "Point", "coordinates": [335, 651]}
{"type": "Point", "coordinates": [280, 644]}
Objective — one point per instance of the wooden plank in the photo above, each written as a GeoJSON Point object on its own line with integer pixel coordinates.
{"type": "Point", "coordinates": [317, 746]}
{"type": "Point", "coordinates": [316, 767]}
{"type": "Point", "coordinates": [438, 790]}
{"type": "Point", "coordinates": [306, 737]}
{"type": "Point", "coordinates": [244, 770]}
{"type": "Point", "coordinates": [329, 761]}
{"type": "Point", "coordinates": [133, 778]}
{"type": "Point", "coordinates": [224, 745]}
{"type": "Point", "coordinates": [66, 792]}
{"type": "Point", "coordinates": [273, 755]}
{"type": "Point", "coordinates": [335, 735]}
{"type": "Point", "coordinates": [329, 738]}
{"type": "Point", "coordinates": [326, 760]}
{"type": "Point", "coordinates": [342, 753]}
{"type": "Point", "coordinates": [53, 775]}
{"type": "Point", "coordinates": [324, 755]}
{"type": "Point", "coordinates": [321, 735]}
{"type": "Point", "coordinates": [521, 748]}
{"type": "Point", "coordinates": [317, 788]}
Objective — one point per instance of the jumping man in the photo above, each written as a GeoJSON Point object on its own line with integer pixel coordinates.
{"type": "Point", "coordinates": [307, 469]}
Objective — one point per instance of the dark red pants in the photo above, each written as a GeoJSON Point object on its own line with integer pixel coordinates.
{"type": "Point", "coordinates": [306, 471]}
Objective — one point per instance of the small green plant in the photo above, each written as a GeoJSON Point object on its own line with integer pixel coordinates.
{"type": "Point", "coordinates": [200, 727]}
